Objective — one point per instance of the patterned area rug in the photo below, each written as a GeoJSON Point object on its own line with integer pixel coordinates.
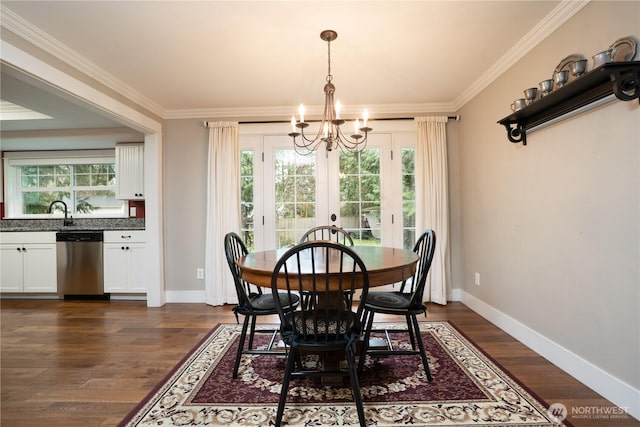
{"type": "Point", "coordinates": [468, 389]}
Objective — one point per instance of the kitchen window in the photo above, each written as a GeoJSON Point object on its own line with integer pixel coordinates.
{"type": "Point", "coordinates": [85, 181]}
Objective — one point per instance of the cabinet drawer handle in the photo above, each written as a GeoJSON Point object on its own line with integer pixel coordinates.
{"type": "Point", "coordinates": [125, 237]}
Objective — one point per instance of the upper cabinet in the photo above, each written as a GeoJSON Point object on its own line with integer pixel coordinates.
{"type": "Point", "coordinates": [130, 171]}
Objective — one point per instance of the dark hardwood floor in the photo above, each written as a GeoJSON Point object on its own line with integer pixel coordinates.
{"type": "Point", "coordinates": [88, 363]}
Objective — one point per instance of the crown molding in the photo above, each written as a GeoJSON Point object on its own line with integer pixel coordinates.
{"type": "Point", "coordinates": [375, 111]}
{"type": "Point", "coordinates": [558, 16]}
{"type": "Point", "coordinates": [32, 34]}
{"type": "Point", "coordinates": [236, 112]}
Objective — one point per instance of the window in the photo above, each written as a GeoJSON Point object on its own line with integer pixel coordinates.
{"type": "Point", "coordinates": [295, 195]}
{"type": "Point", "coordinates": [86, 184]}
{"type": "Point", "coordinates": [408, 198]}
{"type": "Point", "coordinates": [246, 198]}
{"type": "Point", "coordinates": [360, 195]}
{"type": "Point", "coordinates": [371, 195]}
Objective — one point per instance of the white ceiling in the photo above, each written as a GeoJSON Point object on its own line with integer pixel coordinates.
{"type": "Point", "coordinates": [263, 58]}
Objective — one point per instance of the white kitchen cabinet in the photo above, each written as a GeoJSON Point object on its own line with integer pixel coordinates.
{"type": "Point", "coordinates": [28, 262]}
{"type": "Point", "coordinates": [130, 171]}
{"type": "Point", "coordinates": [125, 262]}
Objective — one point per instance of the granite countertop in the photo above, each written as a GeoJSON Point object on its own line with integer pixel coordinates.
{"type": "Point", "coordinates": [78, 224]}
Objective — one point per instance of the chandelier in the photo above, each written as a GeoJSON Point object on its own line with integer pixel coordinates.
{"type": "Point", "coordinates": [330, 130]}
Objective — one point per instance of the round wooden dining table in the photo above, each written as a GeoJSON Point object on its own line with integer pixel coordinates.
{"type": "Point", "coordinates": [385, 265]}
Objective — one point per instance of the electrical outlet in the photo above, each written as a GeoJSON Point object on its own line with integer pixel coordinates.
{"type": "Point", "coordinates": [199, 273]}
{"type": "Point", "coordinates": [476, 279]}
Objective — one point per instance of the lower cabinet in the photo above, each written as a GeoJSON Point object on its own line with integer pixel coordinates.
{"type": "Point", "coordinates": [28, 262]}
{"type": "Point", "coordinates": [125, 261]}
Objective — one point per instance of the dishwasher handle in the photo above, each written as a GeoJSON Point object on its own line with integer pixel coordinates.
{"type": "Point", "coordinates": [79, 236]}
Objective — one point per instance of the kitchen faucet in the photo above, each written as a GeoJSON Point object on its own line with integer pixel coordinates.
{"type": "Point", "coordinates": [65, 221]}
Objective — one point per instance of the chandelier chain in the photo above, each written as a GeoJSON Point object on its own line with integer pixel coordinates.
{"type": "Point", "coordinates": [329, 76]}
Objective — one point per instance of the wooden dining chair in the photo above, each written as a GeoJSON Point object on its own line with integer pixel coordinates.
{"type": "Point", "coordinates": [252, 302]}
{"type": "Point", "coordinates": [329, 270]}
{"type": "Point", "coordinates": [328, 232]}
{"type": "Point", "coordinates": [406, 302]}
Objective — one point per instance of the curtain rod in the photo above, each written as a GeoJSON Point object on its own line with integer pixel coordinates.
{"type": "Point", "coordinates": [456, 118]}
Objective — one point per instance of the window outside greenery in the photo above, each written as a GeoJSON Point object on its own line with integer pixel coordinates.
{"type": "Point", "coordinates": [87, 189]}
{"type": "Point", "coordinates": [360, 195]}
{"type": "Point", "coordinates": [295, 195]}
{"type": "Point", "coordinates": [247, 205]}
{"type": "Point", "coordinates": [288, 187]}
{"type": "Point", "coordinates": [408, 198]}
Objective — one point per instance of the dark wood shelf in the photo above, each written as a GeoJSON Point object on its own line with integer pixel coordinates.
{"type": "Point", "coordinates": [619, 78]}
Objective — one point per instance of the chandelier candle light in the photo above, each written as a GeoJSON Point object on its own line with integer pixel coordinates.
{"type": "Point", "coordinates": [330, 131]}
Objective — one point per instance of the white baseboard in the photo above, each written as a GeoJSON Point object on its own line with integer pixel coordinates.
{"type": "Point", "coordinates": [185, 296]}
{"type": "Point", "coordinates": [610, 387]}
{"type": "Point", "coordinates": [455, 295]}
{"type": "Point", "coordinates": [196, 297]}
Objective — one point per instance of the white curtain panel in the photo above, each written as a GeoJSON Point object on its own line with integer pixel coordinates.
{"type": "Point", "coordinates": [432, 200]}
{"type": "Point", "coordinates": [223, 207]}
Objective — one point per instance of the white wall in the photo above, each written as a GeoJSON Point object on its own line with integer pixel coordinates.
{"type": "Point", "coordinates": [553, 227]}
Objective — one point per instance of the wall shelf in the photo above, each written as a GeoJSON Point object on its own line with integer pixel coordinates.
{"type": "Point", "coordinates": [619, 78]}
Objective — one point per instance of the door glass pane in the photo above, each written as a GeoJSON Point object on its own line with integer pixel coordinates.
{"type": "Point", "coordinates": [360, 196]}
{"type": "Point", "coordinates": [408, 198]}
{"type": "Point", "coordinates": [247, 205]}
{"type": "Point", "coordinates": [295, 195]}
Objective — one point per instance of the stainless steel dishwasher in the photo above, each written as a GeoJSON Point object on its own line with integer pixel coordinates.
{"type": "Point", "coordinates": [79, 261]}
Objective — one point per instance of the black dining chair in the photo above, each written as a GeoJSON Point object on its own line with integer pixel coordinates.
{"type": "Point", "coordinates": [328, 232]}
{"type": "Point", "coordinates": [329, 270]}
{"type": "Point", "coordinates": [252, 302]}
{"type": "Point", "coordinates": [406, 302]}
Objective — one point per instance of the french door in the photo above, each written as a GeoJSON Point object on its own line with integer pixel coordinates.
{"type": "Point", "coordinates": [370, 195]}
